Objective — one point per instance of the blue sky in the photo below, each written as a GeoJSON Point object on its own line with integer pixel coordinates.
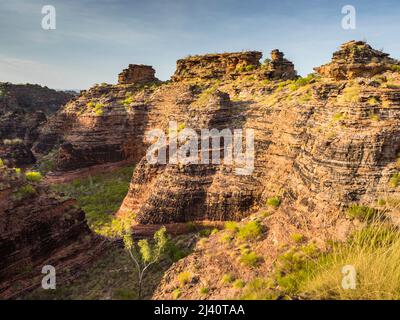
{"type": "Point", "coordinates": [96, 39]}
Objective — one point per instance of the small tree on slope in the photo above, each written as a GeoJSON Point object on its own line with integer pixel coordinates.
{"type": "Point", "coordinates": [143, 254]}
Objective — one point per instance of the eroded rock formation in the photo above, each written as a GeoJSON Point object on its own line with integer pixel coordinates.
{"type": "Point", "coordinates": [216, 66]}
{"type": "Point", "coordinates": [356, 59]}
{"type": "Point", "coordinates": [136, 74]}
{"type": "Point", "coordinates": [38, 228]}
{"type": "Point", "coordinates": [23, 109]}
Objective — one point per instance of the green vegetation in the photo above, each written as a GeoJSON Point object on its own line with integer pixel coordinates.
{"type": "Point", "coordinates": [184, 277]}
{"type": "Point", "coordinates": [338, 116]}
{"type": "Point", "coordinates": [144, 255]}
{"type": "Point", "coordinates": [204, 290]}
{"type": "Point", "coordinates": [176, 294]}
{"type": "Point", "coordinates": [361, 212]}
{"type": "Point", "coordinates": [227, 278]}
{"type": "Point", "coordinates": [33, 176]}
{"type": "Point", "coordinates": [47, 163]}
{"type": "Point", "coordinates": [232, 226]}
{"type": "Point", "coordinates": [394, 180]}
{"type": "Point", "coordinates": [301, 82]}
{"type": "Point", "coordinates": [98, 109]}
{"type": "Point", "coordinates": [238, 284]}
{"type": "Point", "coordinates": [24, 192]}
{"type": "Point", "coordinates": [99, 197]}
{"type": "Point", "coordinates": [373, 101]}
{"type": "Point", "coordinates": [250, 231]}
{"type": "Point", "coordinates": [374, 117]}
{"type": "Point", "coordinates": [297, 237]}
{"type": "Point", "coordinates": [306, 272]}
{"type": "Point", "coordinates": [274, 201]}
{"type": "Point", "coordinates": [350, 94]}
{"type": "Point", "coordinates": [258, 289]}
{"type": "Point", "coordinates": [2, 165]}
{"type": "Point", "coordinates": [396, 68]}
{"type": "Point", "coordinates": [250, 258]}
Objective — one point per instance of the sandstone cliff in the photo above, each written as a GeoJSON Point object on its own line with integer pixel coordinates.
{"type": "Point", "coordinates": [38, 228]}
{"type": "Point", "coordinates": [23, 109]}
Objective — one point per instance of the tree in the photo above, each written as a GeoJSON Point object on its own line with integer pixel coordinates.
{"type": "Point", "coordinates": [143, 254]}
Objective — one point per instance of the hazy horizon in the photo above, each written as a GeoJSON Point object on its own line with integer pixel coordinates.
{"type": "Point", "coordinates": [96, 40]}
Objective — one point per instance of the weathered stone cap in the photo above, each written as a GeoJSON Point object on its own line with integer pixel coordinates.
{"type": "Point", "coordinates": [214, 66]}
{"type": "Point", "coordinates": [137, 73]}
{"type": "Point", "coordinates": [356, 59]}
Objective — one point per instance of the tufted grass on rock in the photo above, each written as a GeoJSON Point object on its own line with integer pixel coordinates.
{"type": "Point", "coordinates": [250, 231]}
{"type": "Point", "coordinates": [274, 201]}
{"type": "Point", "coordinates": [361, 212]}
{"type": "Point", "coordinates": [374, 252]}
{"type": "Point", "coordinates": [250, 259]}
{"type": "Point", "coordinates": [394, 180]}
{"type": "Point", "coordinates": [33, 176]}
{"type": "Point", "coordinates": [184, 277]}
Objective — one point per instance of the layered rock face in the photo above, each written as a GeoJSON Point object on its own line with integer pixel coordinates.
{"type": "Point", "coordinates": [137, 73]}
{"type": "Point", "coordinates": [279, 68]}
{"type": "Point", "coordinates": [321, 145]}
{"type": "Point", "coordinates": [37, 228]}
{"type": "Point", "coordinates": [107, 123]}
{"type": "Point", "coordinates": [356, 59]}
{"type": "Point", "coordinates": [23, 109]}
{"type": "Point", "coordinates": [215, 66]}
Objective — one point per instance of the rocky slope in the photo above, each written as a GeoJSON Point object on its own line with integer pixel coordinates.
{"type": "Point", "coordinates": [38, 228]}
{"type": "Point", "coordinates": [322, 143]}
{"type": "Point", "coordinates": [23, 109]}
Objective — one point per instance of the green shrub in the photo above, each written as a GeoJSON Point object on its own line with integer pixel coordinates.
{"type": "Point", "coordinates": [176, 294]}
{"type": "Point", "coordinates": [127, 101]}
{"type": "Point", "coordinates": [361, 212]}
{"type": "Point", "coordinates": [184, 277]}
{"type": "Point", "coordinates": [204, 290]}
{"type": "Point", "coordinates": [250, 68]}
{"type": "Point", "coordinates": [250, 259]}
{"type": "Point", "coordinates": [98, 109]}
{"type": "Point", "coordinates": [227, 278]}
{"type": "Point", "coordinates": [1, 163]}
{"type": "Point", "coordinates": [231, 226]}
{"type": "Point", "coordinates": [394, 180]}
{"type": "Point", "coordinates": [395, 68]}
{"type": "Point", "coordinates": [33, 176]}
{"type": "Point", "coordinates": [274, 201]}
{"type": "Point", "coordinates": [250, 231]}
{"type": "Point", "coordinates": [205, 233]}
{"type": "Point", "coordinates": [373, 101]}
{"type": "Point", "coordinates": [338, 116]}
{"type": "Point", "coordinates": [259, 289]}
{"type": "Point", "coordinates": [24, 192]}
{"type": "Point", "coordinates": [238, 284]}
{"type": "Point", "coordinates": [297, 237]}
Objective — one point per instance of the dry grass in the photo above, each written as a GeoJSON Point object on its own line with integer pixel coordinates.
{"type": "Point", "coordinates": [374, 252]}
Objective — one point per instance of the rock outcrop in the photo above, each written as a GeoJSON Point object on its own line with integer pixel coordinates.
{"type": "Point", "coordinates": [23, 109]}
{"type": "Point", "coordinates": [38, 228]}
{"type": "Point", "coordinates": [136, 74]}
{"type": "Point", "coordinates": [357, 59]}
{"type": "Point", "coordinates": [279, 68]}
{"type": "Point", "coordinates": [216, 66]}
{"type": "Point", "coordinates": [321, 145]}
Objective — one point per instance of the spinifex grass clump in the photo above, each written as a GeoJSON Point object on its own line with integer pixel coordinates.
{"type": "Point", "coordinates": [373, 252]}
